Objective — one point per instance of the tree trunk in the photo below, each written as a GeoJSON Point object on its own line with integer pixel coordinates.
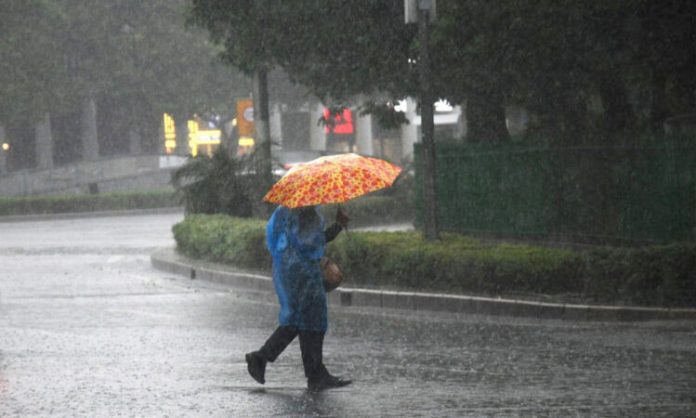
{"type": "Point", "coordinates": [229, 140]}
{"type": "Point", "coordinates": [263, 164]}
{"type": "Point", "coordinates": [432, 230]}
{"type": "Point", "coordinates": [658, 101]}
{"type": "Point", "coordinates": [90, 141]}
{"type": "Point", "coordinates": [44, 143]}
{"type": "Point", "coordinates": [485, 117]}
{"type": "Point", "coordinates": [135, 147]}
{"type": "Point", "coordinates": [618, 115]}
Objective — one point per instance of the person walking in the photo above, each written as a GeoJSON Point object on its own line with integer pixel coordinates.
{"type": "Point", "coordinates": [296, 239]}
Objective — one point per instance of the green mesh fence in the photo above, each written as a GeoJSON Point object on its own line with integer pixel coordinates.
{"type": "Point", "coordinates": [591, 194]}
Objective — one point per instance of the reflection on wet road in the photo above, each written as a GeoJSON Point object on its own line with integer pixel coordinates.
{"type": "Point", "coordinates": [88, 328]}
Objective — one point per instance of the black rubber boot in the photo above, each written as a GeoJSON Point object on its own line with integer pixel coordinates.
{"type": "Point", "coordinates": [318, 378]}
{"type": "Point", "coordinates": [276, 344]}
{"type": "Point", "coordinates": [256, 365]}
{"type": "Point", "coordinates": [327, 381]}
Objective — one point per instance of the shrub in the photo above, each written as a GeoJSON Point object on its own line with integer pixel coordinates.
{"type": "Point", "coordinates": [373, 210]}
{"type": "Point", "coordinates": [86, 203]}
{"type": "Point", "coordinates": [395, 260]}
{"type": "Point", "coordinates": [652, 276]}
{"type": "Point", "coordinates": [223, 239]}
{"type": "Point", "coordinates": [655, 275]}
{"type": "Point", "coordinates": [216, 184]}
{"type": "Point", "coordinates": [456, 263]}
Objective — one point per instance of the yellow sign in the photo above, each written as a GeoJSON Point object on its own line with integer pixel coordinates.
{"type": "Point", "coordinates": [208, 138]}
{"type": "Point", "coordinates": [169, 134]}
{"type": "Point", "coordinates": [245, 118]}
{"type": "Point", "coordinates": [245, 141]}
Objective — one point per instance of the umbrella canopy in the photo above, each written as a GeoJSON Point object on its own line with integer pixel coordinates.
{"type": "Point", "coordinates": [332, 179]}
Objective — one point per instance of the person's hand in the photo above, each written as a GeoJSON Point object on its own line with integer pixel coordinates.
{"type": "Point", "coordinates": [341, 218]}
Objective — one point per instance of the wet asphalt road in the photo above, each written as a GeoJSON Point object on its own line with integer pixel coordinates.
{"type": "Point", "coordinates": [88, 328]}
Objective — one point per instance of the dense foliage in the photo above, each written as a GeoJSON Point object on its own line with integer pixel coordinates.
{"type": "Point", "coordinates": [217, 184]}
{"type": "Point", "coordinates": [86, 203]}
{"type": "Point", "coordinates": [224, 239]}
{"type": "Point", "coordinates": [652, 276]}
{"type": "Point", "coordinates": [577, 67]}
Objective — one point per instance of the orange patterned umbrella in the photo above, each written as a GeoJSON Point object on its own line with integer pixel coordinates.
{"type": "Point", "coordinates": [331, 179]}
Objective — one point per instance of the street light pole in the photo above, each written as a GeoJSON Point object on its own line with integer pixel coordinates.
{"type": "Point", "coordinates": [426, 10]}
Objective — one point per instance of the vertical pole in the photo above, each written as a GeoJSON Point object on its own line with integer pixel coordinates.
{"type": "Point", "coordinates": [134, 142]}
{"type": "Point", "coordinates": [44, 143]}
{"type": "Point", "coordinates": [331, 137]}
{"type": "Point", "coordinates": [409, 132]}
{"type": "Point", "coordinates": [182, 136]}
{"type": "Point", "coordinates": [317, 136]}
{"type": "Point", "coordinates": [3, 151]}
{"type": "Point", "coordinates": [427, 128]}
{"type": "Point", "coordinates": [363, 134]}
{"type": "Point", "coordinates": [263, 132]}
{"type": "Point", "coordinates": [161, 148]}
{"type": "Point", "coordinates": [90, 141]}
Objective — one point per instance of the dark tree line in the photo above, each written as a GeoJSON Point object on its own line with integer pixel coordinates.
{"type": "Point", "coordinates": [581, 69]}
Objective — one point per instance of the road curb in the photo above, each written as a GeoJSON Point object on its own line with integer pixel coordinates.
{"type": "Point", "coordinates": [170, 261]}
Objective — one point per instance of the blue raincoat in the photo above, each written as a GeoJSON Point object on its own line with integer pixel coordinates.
{"type": "Point", "coordinates": [297, 276]}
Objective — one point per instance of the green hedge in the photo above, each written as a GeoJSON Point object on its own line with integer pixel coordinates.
{"type": "Point", "coordinates": [373, 210]}
{"type": "Point", "coordinates": [224, 239]}
{"type": "Point", "coordinates": [86, 203]}
{"type": "Point", "coordinates": [661, 275]}
{"type": "Point", "coordinates": [456, 263]}
{"type": "Point", "coordinates": [651, 276]}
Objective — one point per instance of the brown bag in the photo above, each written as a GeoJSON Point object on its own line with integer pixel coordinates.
{"type": "Point", "coordinates": [333, 276]}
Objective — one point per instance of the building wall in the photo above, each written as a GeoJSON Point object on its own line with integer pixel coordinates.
{"type": "Point", "coordinates": [398, 146]}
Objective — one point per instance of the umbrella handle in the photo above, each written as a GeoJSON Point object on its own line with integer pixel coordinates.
{"type": "Point", "coordinates": [339, 210]}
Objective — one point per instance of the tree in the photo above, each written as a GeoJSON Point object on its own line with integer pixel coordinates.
{"type": "Point", "coordinates": [666, 57]}
{"type": "Point", "coordinates": [246, 30]}
{"type": "Point", "coordinates": [554, 57]}
{"type": "Point", "coordinates": [578, 67]}
{"type": "Point", "coordinates": [146, 62]}
{"type": "Point", "coordinates": [33, 80]}
{"type": "Point", "coordinates": [30, 58]}
{"type": "Point", "coordinates": [134, 59]}
{"type": "Point", "coordinates": [474, 63]}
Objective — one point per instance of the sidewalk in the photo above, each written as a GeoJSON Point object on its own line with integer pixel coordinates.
{"type": "Point", "coordinates": [171, 261]}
